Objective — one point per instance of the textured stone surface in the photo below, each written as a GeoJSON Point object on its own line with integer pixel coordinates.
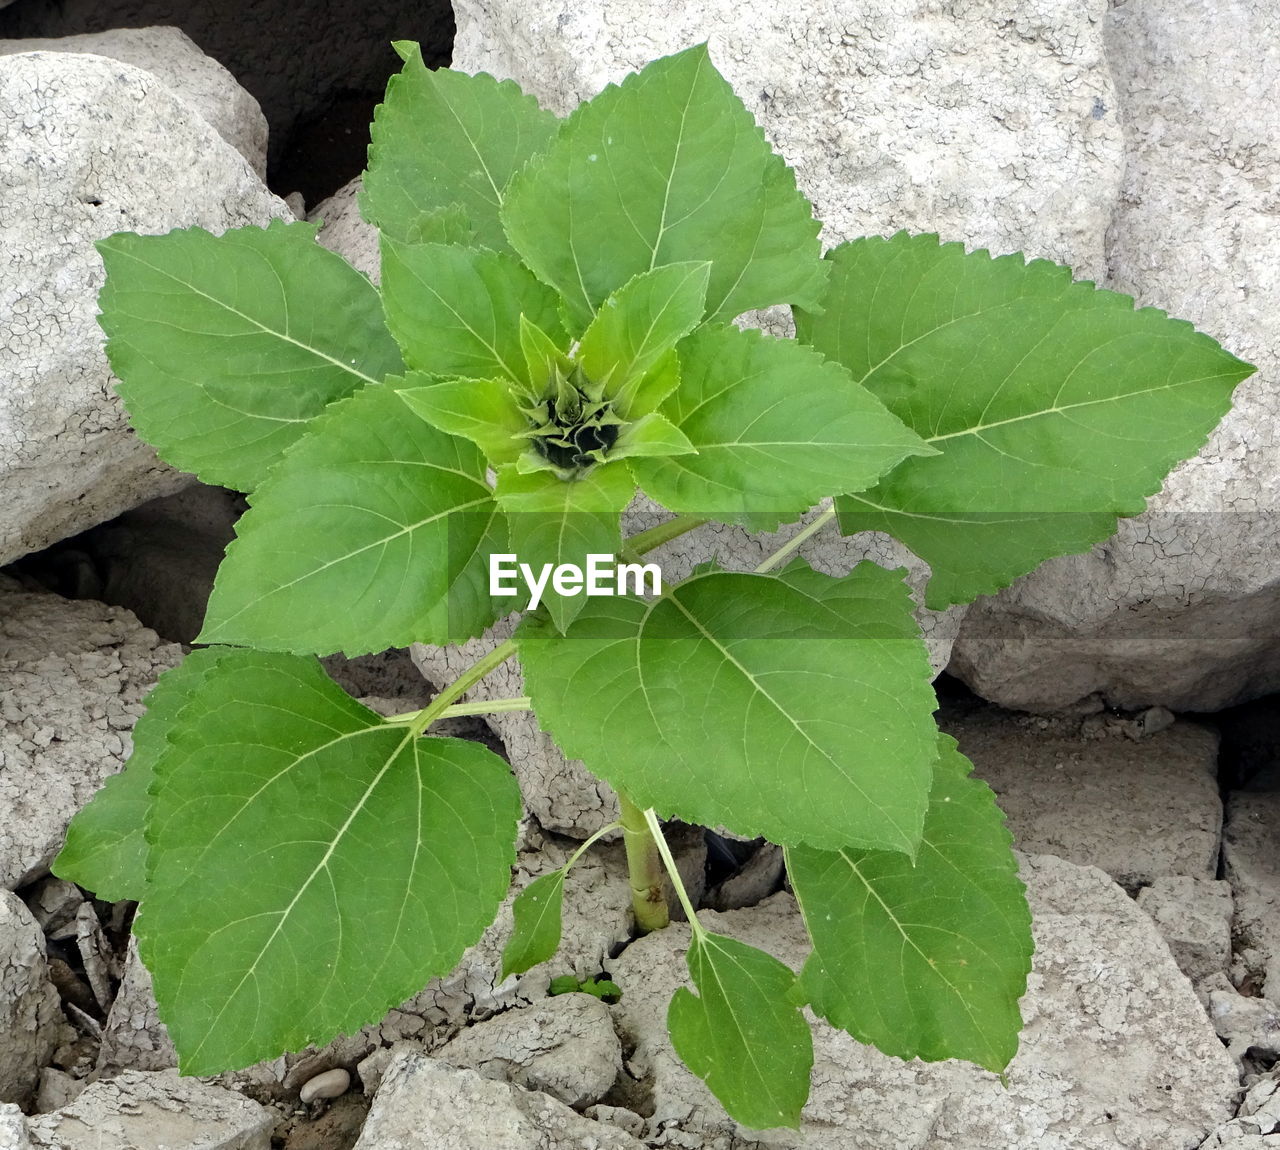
{"type": "Point", "coordinates": [13, 1128]}
{"type": "Point", "coordinates": [1251, 854]}
{"type": "Point", "coordinates": [1259, 1116]}
{"type": "Point", "coordinates": [1193, 916]}
{"type": "Point", "coordinates": [346, 233]}
{"type": "Point", "coordinates": [422, 1102]}
{"type": "Point", "coordinates": [564, 1046]}
{"type": "Point", "coordinates": [133, 1037]}
{"type": "Point", "coordinates": [72, 678]}
{"type": "Point", "coordinates": [92, 146]}
{"type": "Point", "coordinates": [1136, 809]}
{"type": "Point", "coordinates": [30, 1015]}
{"type": "Point", "coordinates": [1182, 607]}
{"type": "Point", "coordinates": [172, 58]}
{"type": "Point", "coordinates": [140, 1111]}
{"type": "Point", "coordinates": [1116, 1050]}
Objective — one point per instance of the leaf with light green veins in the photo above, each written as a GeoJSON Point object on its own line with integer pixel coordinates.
{"type": "Point", "coordinates": [558, 522]}
{"type": "Point", "coordinates": [775, 428]}
{"type": "Point", "coordinates": [669, 166]}
{"type": "Point", "coordinates": [924, 961]}
{"type": "Point", "coordinates": [1055, 405]}
{"type": "Point", "coordinates": [105, 851]}
{"type": "Point", "coordinates": [636, 326]}
{"type": "Point", "coordinates": [481, 410]}
{"type": "Point", "coordinates": [373, 532]}
{"type": "Point", "coordinates": [535, 937]}
{"type": "Point", "coordinates": [228, 346]}
{"type": "Point", "coordinates": [734, 700]}
{"type": "Point", "coordinates": [312, 867]}
{"type": "Point", "coordinates": [442, 138]}
{"type": "Point", "coordinates": [456, 311]}
{"type": "Point", "coordinates": [741, 1034]}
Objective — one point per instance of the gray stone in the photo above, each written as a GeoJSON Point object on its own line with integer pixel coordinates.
{"type": "Point", "coordinates": [133, 1037]}
{"type": "Point", "coordinates": [1181, 607]}
{"type": "Point", "coordinates": [13, 1128]}
{"type": "Point", "coordinates": [423, 1102]}
{"type": "Point", "coordinates": [564, 1046]}
{"type": "Point", "coordinates": [760, 877]}
{"type": "Point", "coordinates": [1193, 916]}
{"type": "Point", "coordinates": [1116, 1051]}
{"type": "Point", "coordinates": [1135, 809]}
{"type": "Point", "coordinates": [160, 1111]}
{"type": "Point", "coordinates": [1251, 854]}
{"type": "Point", "coordinates": [176, 61]}
{"type": "Point", "coordinates": [57, 1089]}
{"type": "Point", "coordinates": [102, 147]}
{"type": "Point", "coordinates": [74, 675]}
{"type": "Point", "coordinates": [30, 1017]}
{"type": "Point", "coordinates": [1247, 1024]}
{"type": "Point", "coordinates": [346, 232]}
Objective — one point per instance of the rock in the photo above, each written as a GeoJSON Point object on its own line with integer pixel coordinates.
{"type": "Point", "coordinates": [1249, 1026]}
{"type": "Point", "coordinates": [30, 1016]}
{"type": "Point", "coordinates": [13, 1128]}
{"type": "Point", "coordinates": [57, 1089]}
{"type": "Point", "coordinates": [618, 1116]}
{"type": "Point", "coordinates": [1134, 809]}
{"type": "Point", "coordinates": [1193, 916]}
{"type": "Point", "coordinates": [564, 1046]}
{"type": "Point", "coordinates": [760, 877]}
{"type": "Point", "coordinates": [53, 903]}
{"type": "Point", "coordinates": [117, 150]}
{"type": "Point", "coordinates": [133, 1037]}
{"type": "Point", "coordinates": [346, 233]}
{"type": "Point", "coordinates": [1251, 854]}
{"type": "Point", "coordinates": [336, 1127]}
{"type": "Point", "coordinates": [160, 1111]}
{"type": "Point", "coordinates": [329, 1084]}
{"type": "Point", "coordinates": [74, 675]}
{"type": "Point", "coordinates": [175, 60]}
{"type": "Point", "coordinates": [1182, 606]}
{"type": "Point", "coordinates": [1116, 1050]}
{"type": "Point", "coordinates": [423, 1102]}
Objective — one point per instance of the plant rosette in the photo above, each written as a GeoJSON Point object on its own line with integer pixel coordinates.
{"type": "Point", "coordinates": [554, 334]}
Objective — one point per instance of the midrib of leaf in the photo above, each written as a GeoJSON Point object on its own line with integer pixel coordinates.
{"type": "Point", "coordinates": [671, 175]}
{"type": "Point", "coordinates": [497, 194]}
{"type": "Point", "coordinates": [932, 517]}
{"type": "Point", "coordinates": [708, 940]}
{"type": "Point", "coordinates": [350, 369]}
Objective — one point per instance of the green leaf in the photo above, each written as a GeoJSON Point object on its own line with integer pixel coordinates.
{"type": "Point", "coordinates": [456, 311]}
{"type": "Point", "coordinates": [775, 427]}
{"type": "Point", "coordinates": [795, 706]}
{"type": "Point", "coordinates": [481, 410]}
{"type": "Point", "coordinates": [1056, 407]}
{"type": "Point", "coordinates": [926, 961]}
{"type": "Point", "coordinates": [651, 435]}
{"type": "Point", "coordinates": [542, 355]}
{"type": "Point", "coordinates": [105, 851]}
{"type": "Point", "coordinates": [741, 1034]}
{"type": "Point", "coordinates": [536, 934]}
{"type": "Point", "coordinates": [443, 138]}
{"type": "Point", "coordinates": [228, 346]}
{"type": "Point", "coordinates": [637, 326]}
{"type": "Point", "coordinates": [372, 533]}
{"type": "Point", "coordinates": [555, 522]}
{"type": "Point", "coordinates": [337, 863]}
{"type": "Point", "coordinates": [667, 167]}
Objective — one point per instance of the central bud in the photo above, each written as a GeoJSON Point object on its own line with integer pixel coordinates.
{"type": "Point", "coordinates": [573, 425]}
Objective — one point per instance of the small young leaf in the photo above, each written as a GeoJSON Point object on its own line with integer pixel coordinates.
{"type": "Point", "coordinates": [105, 851]}
{"type": "Point", "coordinates": [456, 311]}
{"type": "Point", "coordinates": [651, 435]}
{"type": "Point", "coordinates": [1055, 405]}
{"type": "Point", "coordinates": [795, 706]}
{"type": "Point", "coordinates": [228, 346]}
{"type": "Point", "coordinates": [741, 1034]}
{"type": "Point", "coordinates": [669, 166]}
{"type": "Point", "coordinates": [481, 410]}
{"type": "Point", "coordinates": [338, 863]}
{"type": "Point", "coordinates": [536, 934]}
{"type": "Point", "coordinates": [926, 961]}
{"type": "Point", "coordinates": [373, 532]}
{"type": "Point", "coordinates": [775, 428]}
{"type": "Point", "coordinates": [443, 138]}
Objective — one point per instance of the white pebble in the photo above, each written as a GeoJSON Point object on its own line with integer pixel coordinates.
{"type": "Point", "coordinates": [327, 1085]}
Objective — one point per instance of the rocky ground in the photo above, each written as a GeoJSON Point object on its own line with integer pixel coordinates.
{"type": "Point", "coordinates": [1123, 704]}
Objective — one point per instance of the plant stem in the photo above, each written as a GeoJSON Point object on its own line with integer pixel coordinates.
{"type": "Point", "coordinates": [645, 541]}
{"type": "Point", "coordinates": [644, 867]}
{"type": "Point", "coordinates": [794, 542]}
{"type": "Point", "coordinates": [660, 841]}
{"type": "Point", "coordinates": [459, 710]}
{"type": "Point", "coordinates": [463, 683]}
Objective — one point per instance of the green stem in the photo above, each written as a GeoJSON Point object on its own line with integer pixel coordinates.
{"type": "Point", "coordinates": [645, 541]}
{"type": "Point", "coordinates": [459, 710]}
{"type": "Point", "coordinates": [462, 684]}
{"type": "Point", "coordinates": [573, 858]}
{"type": "Point", "coordinates": [794, 542]}
{"type": "Point", "coordinates": [664, 851]}
{"type": "Point", "coordinates": [644, 867]}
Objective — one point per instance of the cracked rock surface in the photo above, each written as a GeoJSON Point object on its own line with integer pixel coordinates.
{"type": "Point", "coordinates": [30, 1014]}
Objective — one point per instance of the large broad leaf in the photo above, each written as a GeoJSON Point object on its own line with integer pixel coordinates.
{"type": "Point", "coordinates": [456, 311]}
{"type": "Point", "coordinates": [106, 851]}
{"type": "Point", "coordinates": [443, 138]}
{"type": "Point", "coordinates": [372, 533]}
{"type": "Point", "coordinates": [741, 1033]}
{"type": "Point", "coordinates": [1056, 406]}
{"type": "Point", "coordinates": [925, 961]}
{"type": "Point", "coordinates": [228, 346]}
{"type": "Point", "coordinates": [795, 706]}
{"type": "Point", "coordinates": [666, 167]}
{"type": "Point", "coordinates": [536, 914]}
{"type": "Point", "coordinates": [312, 867]}
{"type": "Point", "coordinates": [775, 427]}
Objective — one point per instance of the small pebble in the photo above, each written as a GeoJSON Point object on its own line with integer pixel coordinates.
{"type": "Point", "coordinates": [327, 1085]}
